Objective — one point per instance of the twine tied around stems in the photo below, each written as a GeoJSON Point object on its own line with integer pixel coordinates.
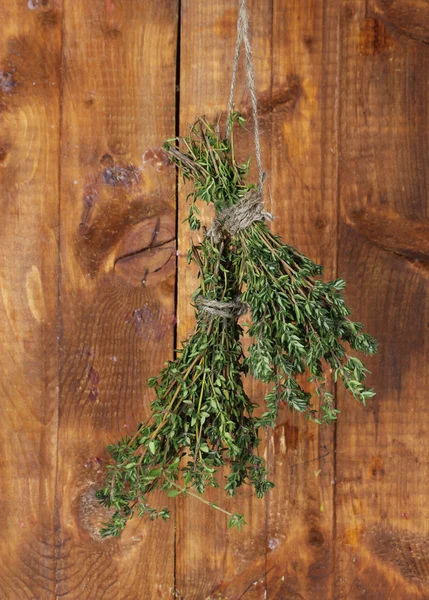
{"type": "Point", "coordinates": [228, 309]}
{"type": "Point", "coordinates": [250, 208]}
{"type": "Point", "coordinates": [239, 216]}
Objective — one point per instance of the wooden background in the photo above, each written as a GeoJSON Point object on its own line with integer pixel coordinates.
{"type": "Point", "coordinates": [89, 209]}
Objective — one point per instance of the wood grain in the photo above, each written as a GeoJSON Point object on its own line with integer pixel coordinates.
{"type": "Point", "coordinates": [409, 17]}
{"type": "Point", "coordinates": [304, 200]}
{"type": "Point", "coordinates": [117, 279]}
{"type": "Point", "coordinates": [382, 469]}
{"type": "Point", "coordinates": [30, 42]}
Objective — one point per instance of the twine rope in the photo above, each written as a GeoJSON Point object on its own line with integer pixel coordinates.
{"type": "Point", "coordinates": [239, 216]}
{"type": "Point", "coordinates": [228, 309]}
{"type": "Point", "coordinates": [250, 208]}
{"type": "Point", "coordinates": [243, 37]}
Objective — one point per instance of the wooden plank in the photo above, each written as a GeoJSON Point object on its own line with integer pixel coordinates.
{"type": "Point", "coordinates": [117, 283]}
{"type": "Point", "coordinates": [304, 200]}
{"type": "Point", "coordinates": [114, 331]}
{"type": "Point", "coordinates": [382, 468]}
{"type": "Point", "coordinates": [30, 41]}
{"type": "Point", "coordinates": [212, 561]}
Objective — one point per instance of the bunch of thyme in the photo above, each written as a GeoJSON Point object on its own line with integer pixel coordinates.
{"type": "Point", "coordinates": [202, 418]}
{"type": "Point", "coordinates": [299, 323]}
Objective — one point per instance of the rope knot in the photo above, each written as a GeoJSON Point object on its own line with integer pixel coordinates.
{"type": "Point", "coordinates": [228, 309]}
{"type": "Point", "coordinates": [239, 216]}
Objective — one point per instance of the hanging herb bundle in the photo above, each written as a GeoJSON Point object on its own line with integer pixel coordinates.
{"type": "Point", "coordinates": [299, 322]}
{"type": "Point", "coordinates": [202, 420]}
{"type": "Point", "coordinates": [202, 417]}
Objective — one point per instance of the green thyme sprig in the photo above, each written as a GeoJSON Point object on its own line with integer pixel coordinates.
{"type": "Point", "coordinates": [202, 418]}
{"type": "Point", "coordinates": [299, 323]}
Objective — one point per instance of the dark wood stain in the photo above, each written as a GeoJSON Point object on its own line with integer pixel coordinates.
{"type": "Point", "coordinates": [409, 17]}
{"type": "Point", "coordinates": [405, 551]}
{"type": "Point", "coordinates": [402, 236]}
{"type": "Point", "coordinates": [374, 38]}
{"type": "Point", "coordinates": [118, 176]}
{"type": "Point", "coordinates": [49, 18]}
